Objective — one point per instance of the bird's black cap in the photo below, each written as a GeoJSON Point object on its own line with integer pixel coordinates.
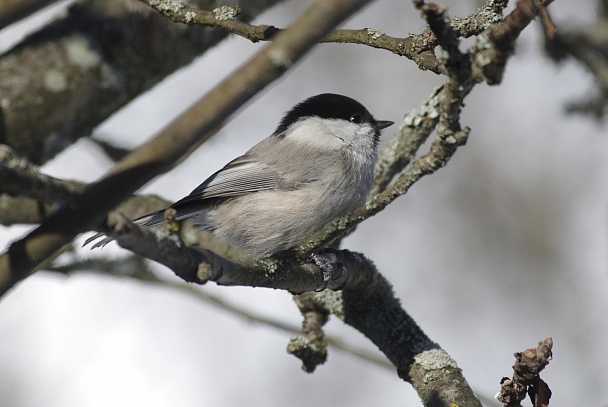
{"type": "Point", "coordinates": [326, 106]}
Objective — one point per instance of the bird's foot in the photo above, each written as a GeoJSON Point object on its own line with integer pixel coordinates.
{"type": "Point", "coordinates": [329, 261]}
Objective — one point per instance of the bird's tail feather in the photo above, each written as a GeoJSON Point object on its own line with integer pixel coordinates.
{"type": "Point", "coordinates": [153, 219]}
{"type": "Point", "coordinates": [184, 211]}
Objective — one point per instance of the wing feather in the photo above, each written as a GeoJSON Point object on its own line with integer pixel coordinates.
{"type": "Point", "coordinates": [239, 177]}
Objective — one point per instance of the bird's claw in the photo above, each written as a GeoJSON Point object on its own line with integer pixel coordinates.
{"type": "Point", "coordinates": [331, 266]}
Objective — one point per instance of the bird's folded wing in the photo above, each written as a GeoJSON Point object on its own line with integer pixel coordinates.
{"type": "Point", "coordinates": [241, 176]}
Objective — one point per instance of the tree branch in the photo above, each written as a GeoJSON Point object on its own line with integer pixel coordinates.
{"type": "Point", "coordinates": [369, 305]}
{"type": "Point", "coordinates": [14, 10]}
{"type": "Point", "coordinates": [418, 48]}
{"type": "Point", "coordinates": [29, 196]}
{"type": "Point", "coordinates": [200, 266]}
{"type": "Point", "coordinates": [377, 313]}
{"type": "Point", "coordinates": [18, 176]}
{"type": "Point", "coordinates": [63, 80]}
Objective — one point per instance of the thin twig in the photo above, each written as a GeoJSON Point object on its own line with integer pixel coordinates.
{"type": "Point", "coordinates": [417, 48]}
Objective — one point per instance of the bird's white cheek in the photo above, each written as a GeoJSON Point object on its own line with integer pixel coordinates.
{"type": "Point", "coordinates": [316, 134]}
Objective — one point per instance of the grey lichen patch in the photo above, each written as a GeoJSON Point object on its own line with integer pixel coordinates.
{"type": "Point", "coordinates": [55, 81]}
{"type": "Point", "coordinates": [450, 139]}
{"type": "Point", "coordinates": [298, 342]}
{"type": "Point", "coordinates": [339, 224]}
{"type": "Point", "coordinates": [167, 233]}
{"type": "Point", "coordinates": [329, 300]}
{"type": "Point", "coordinates": [80, 52]}
{"type": "Point", "coordinates": [167, 6]}
{"type": "Point", "coordinates": [490, 13]}
{"type": "Point", "coordinates": [226, 12]}
{"type": "Point", "coordinates": [480, 50]}
{"type": "Point", "coordinates": [110, 77]}
{"type": "Point", "coordinates": [269, 264]}
{"type": "Point", "coordinates": [373, 33]}
{"type": "Point", "coordinates": [204, 272]}
{"type": "Point", "coordinates": [189, 17]}
{"type": "Point", "coordinates": [429, 109]}
{"type": "Point", "coordinates": [435, 359]}
{"type": "Point", "coordinates": [483, 18]}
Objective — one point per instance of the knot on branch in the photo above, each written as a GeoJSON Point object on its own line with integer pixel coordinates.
{"type": "Point", "coordinates": [457, 64]}
{"type": "Point", "coordinates": [310, 345]}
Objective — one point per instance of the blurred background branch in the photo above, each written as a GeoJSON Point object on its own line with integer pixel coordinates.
{"type": "Point", "coordinates": [15, 10]}
{"type": "Point", "coordinates": [588, 46]}
{"type": "Point", "coordinates": [94, 59]}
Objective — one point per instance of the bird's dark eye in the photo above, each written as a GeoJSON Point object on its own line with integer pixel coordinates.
{"type": "Point", "coordinates": [356, 118]}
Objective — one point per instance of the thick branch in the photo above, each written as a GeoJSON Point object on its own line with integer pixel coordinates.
{"type": "Point", "coordinates": [199, 266]}
{"type": "Point", "coordinates": [188, 131]}
{"type": "Point", "coordinates": [368, 304]}
{"type": "Point", "coordinates": [377, 313]}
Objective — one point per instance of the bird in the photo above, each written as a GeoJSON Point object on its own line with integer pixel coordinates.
{"type": "Point", "coordinates": [316, 166]}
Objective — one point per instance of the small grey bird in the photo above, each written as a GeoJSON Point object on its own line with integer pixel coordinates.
{"type": "Point", "coordinates": [316, 166]}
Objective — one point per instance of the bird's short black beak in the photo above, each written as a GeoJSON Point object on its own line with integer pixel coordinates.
{"type": "Point", "coordinates": [383, 124]}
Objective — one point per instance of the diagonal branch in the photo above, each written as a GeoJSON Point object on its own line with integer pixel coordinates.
{"type": "Point", "coordinates": [13, 11]}
{"type": "Point", "coordinates": [378, 314]}
{"type": "Point", "coordinates": [369, 306]}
